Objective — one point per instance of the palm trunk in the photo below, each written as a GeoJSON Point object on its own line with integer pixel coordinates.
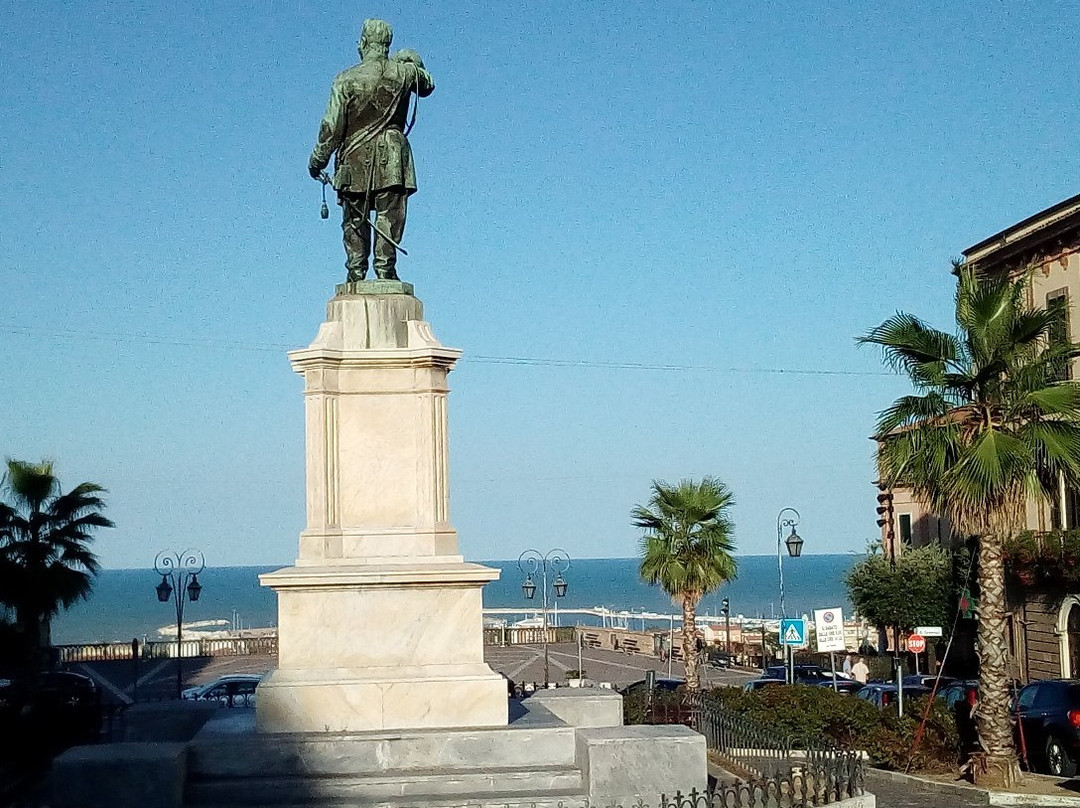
{"type": "Point", "coordinates": [689, 640]}
{"type": "Point", "coordinates": [30, 626]}
{"type": "Point", "coordinates": [999, 765]}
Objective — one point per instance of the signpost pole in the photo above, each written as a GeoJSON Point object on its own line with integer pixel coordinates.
{"type": "Point", "coordinates": [832, 664]}
{"type": "Point", "coordinates": [764, 653]}
{"type": "Point", "coordinates": [899, 685]}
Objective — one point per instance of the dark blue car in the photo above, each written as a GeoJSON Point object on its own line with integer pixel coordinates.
{"type": "Point", "coordinates": [882, 694]}
{"type": "Point", "coordinates": [1048, 726]}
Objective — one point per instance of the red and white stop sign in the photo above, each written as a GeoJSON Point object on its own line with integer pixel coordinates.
{"type": "Point", "coordinates": [916, 643]}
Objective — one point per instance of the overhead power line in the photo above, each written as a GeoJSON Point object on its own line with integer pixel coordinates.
{"type": "Point", "coordinates": [121, 338]}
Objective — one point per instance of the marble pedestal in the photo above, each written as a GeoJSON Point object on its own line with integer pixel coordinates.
{"type": "Point", "coordinates": [380, 621]}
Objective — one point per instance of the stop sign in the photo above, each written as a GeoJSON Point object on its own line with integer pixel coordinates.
{"type": "Point", "coordinates": [916, 643]}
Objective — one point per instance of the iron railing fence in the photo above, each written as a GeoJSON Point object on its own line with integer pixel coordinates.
{"type": "Point", "coordinates": [794, 791]}
{"type": "Point", "coordinates": [782, 774]}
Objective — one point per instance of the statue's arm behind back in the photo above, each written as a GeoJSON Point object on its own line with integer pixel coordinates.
{"type": "Point", "coordinates": [332, 128]}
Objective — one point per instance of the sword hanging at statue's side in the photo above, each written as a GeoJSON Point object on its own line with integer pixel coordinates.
{"type": "Point", "coordinates": [324, 178]}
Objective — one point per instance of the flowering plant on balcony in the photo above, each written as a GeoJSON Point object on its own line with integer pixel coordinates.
{"type": "Point", "coordinates": [1048, 560]}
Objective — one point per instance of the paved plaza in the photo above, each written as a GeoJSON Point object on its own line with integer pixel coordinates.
{"type": "Point", "coordinates": [125, 682]}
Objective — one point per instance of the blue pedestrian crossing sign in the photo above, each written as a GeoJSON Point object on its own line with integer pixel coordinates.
{"type": "Point", "coordinates": [793, 632]}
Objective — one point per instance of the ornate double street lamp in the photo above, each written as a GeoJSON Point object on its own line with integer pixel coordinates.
{"type": "Point", "coordinates": [533, 562]}
{"type": "Point", "coordinates": [179, 580]}
{"type": "Point", "coordinates": [794, 545]}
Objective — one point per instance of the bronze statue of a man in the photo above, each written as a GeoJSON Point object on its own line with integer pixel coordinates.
{"type": "Point", "coordinates": [366, 123]}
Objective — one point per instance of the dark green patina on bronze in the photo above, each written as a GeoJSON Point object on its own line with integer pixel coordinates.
{"type": "Point", "coordinates": [365, 129]}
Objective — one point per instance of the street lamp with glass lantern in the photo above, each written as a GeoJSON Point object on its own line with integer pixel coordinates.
{"type": "Point", "coordinates": [794, 544]}
{"type": "Point", "coordinates": [533, 562]}
{"type": "Point", "coordinates": [179, 577]}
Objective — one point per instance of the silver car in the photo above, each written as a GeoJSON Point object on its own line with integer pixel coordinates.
{"type": "Point", "coordinates": [234, 690]}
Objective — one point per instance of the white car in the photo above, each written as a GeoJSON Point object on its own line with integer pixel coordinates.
{"type": "Point", "coordinates": [234, 690]}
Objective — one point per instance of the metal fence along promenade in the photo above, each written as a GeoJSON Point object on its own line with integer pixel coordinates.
{"type": "Point", "coordinates": [777, 773]}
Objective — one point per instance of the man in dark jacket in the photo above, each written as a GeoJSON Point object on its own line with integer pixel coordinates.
{"type": "Point", "coordinates": [365, 124]}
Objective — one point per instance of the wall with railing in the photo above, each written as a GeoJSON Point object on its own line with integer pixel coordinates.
{"type": "Point", "coordinates": [199, 647]}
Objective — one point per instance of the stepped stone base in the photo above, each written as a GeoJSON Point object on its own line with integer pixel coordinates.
{"type": "Point", "coordinates": [544, 758]}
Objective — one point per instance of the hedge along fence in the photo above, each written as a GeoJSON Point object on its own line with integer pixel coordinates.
{"type": "Point", "coordinates": [808, 716]}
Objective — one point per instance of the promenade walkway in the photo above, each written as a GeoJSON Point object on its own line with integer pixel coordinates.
{"type": "Point", "coordinates": [123, 682]}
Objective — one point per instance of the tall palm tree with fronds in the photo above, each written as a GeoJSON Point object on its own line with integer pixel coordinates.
{"type": "Point", "coordinates": [45, 560]}
{"type": "Point", "coordinates": [992, 425]}
{"type": "Point", "coordinates": [687, 549]}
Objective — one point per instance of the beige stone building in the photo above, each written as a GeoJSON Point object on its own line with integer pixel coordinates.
{"type": "Point", "coordinates": [1045, 626]}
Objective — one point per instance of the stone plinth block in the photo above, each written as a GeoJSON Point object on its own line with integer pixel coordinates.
{"type": "Point", "coordinates": [582, 707]}
{"type": "Point", "coordinates": [372, 647]}
{"type": "Point", "coordinates": [625, 764]}
{"type": "Point", "coordinates": [375, 393]}
{"type": "Point", "coordinates": [120, 775]}
{"type": "Point", "coordinates": [352, 700]}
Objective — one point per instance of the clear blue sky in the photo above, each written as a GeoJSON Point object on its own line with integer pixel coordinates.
{"type": "Point", "coordinates": [737, 189]}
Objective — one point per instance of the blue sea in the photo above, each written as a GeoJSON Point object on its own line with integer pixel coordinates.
{"type": "Point", "coordinates": [124, 605]}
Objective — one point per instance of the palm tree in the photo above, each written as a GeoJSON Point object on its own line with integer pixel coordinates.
{"type": "Point", "coordinates": [45, 561]}
{"type": "Point", "coordinates": [687, 548]}
{"type": "Point", "coordinates": [991, 426]}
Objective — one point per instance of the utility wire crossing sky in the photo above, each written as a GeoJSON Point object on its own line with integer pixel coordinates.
{"type": "Point", "coordinates": [718, 197]}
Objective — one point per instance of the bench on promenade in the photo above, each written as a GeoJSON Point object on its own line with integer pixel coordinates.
{"type": "Point", "coordinates": [591, 639]}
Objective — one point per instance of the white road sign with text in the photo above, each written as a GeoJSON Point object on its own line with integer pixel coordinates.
{"type": "Point", "coordinates": [829, 627]}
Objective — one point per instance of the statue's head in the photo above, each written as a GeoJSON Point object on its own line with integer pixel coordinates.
{"type": "Point", "coordinates": [375, 38]}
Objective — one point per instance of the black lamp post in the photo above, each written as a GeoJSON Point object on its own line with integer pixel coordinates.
{"type": "Point", "coordinates": [532, 562]}
{"type": "Point", "coordinates": [794, 545]}
{"type": "Point", "coordinates": [179, 577]}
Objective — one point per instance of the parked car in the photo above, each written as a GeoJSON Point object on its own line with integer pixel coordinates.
{"type": "Point", "coordinates": [758, 684]}
{"type": "Point", "coordinates": [58, 710]}
{"type": "Point", "coordinates": [1048, 725]}
{"type": "Point", "coordinates": [234, 690]}
{"type": "Point", "coordinates": [804, 674]}
{"type": "Point", "coordinates": [844, 684]}
{"type": "Point", "coordinates": [719, 658]}
{"type": "Point", "coordinates": [883, 695]}
{"type": "Point", "coordinates": [813, 675]}
{"type": "Point", "coordinates": [927, 680]}
{"type": "Point", "coordinates": [642, 685]}
{"type": "Point", "coordinates": [959, 690]}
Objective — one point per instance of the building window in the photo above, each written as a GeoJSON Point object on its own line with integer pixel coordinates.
{"type": "Point", "coordinates": [1058, 304]}
{"type": "Point", "coordinates": [1072, 508]}
{"type": "Point", "coordinates": [905, 529]}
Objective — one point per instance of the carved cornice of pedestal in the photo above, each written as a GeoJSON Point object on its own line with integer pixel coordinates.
{"type": "Point", "coordinates": [392, 575]}
{"type": "Point", "coordinates": [416, 358]}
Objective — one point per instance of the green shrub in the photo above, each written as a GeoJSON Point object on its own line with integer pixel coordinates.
{"type": "Point", "coordinates": [815, 714]}
{"type": "Point", "coordinates": [889, 745]}
{"type": "Point", "coordinates": [638, 708]}
{"type": "Point", "coordinates": [804, 713]}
